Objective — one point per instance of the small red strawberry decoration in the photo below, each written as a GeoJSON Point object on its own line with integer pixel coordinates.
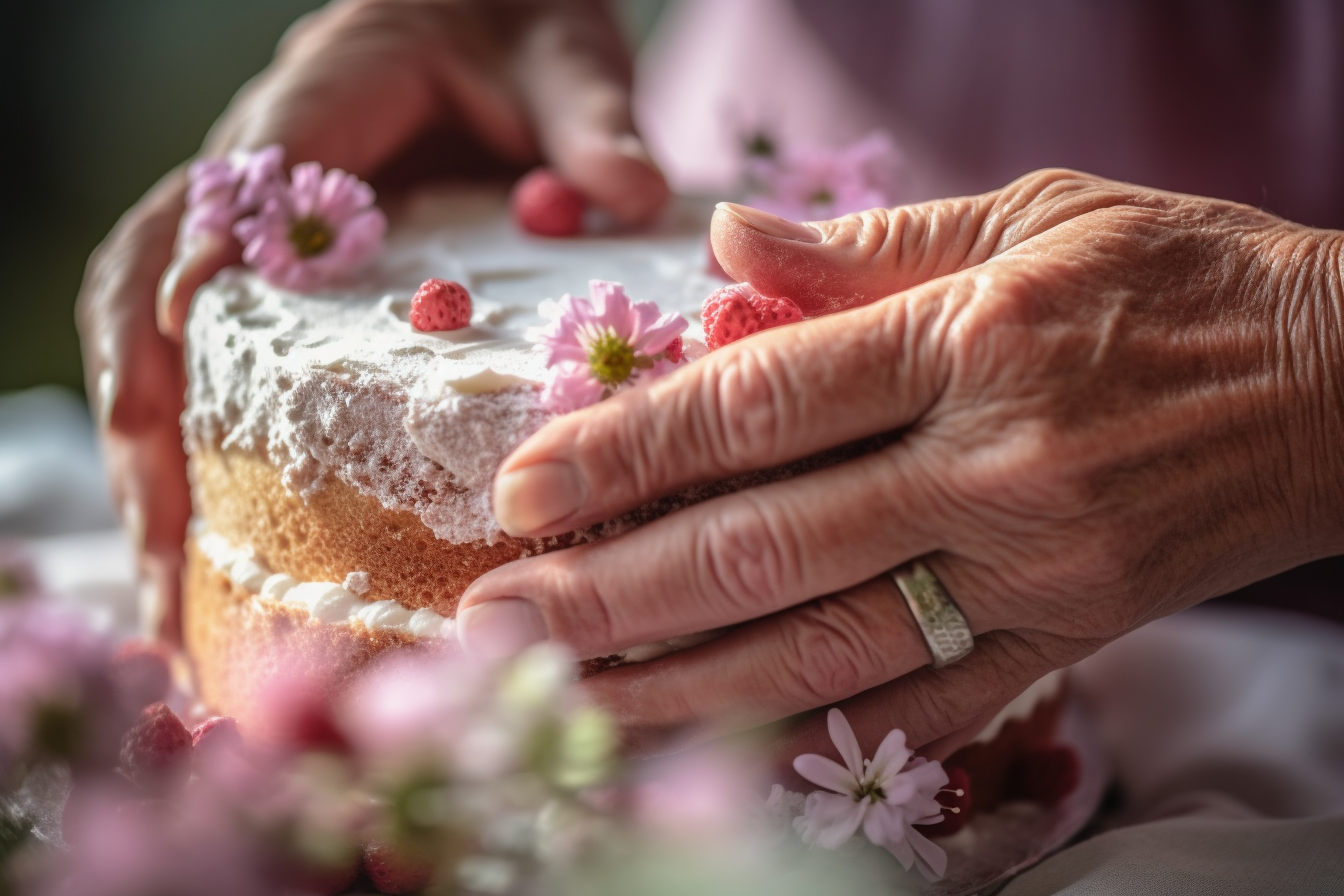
{"type": "Point", "coordinates": [1046, 774]}
{"type": "Point", "coordinates": [733, 312]}
{"type": "Point", "coordinates": [156, 752]}
{"type": "Point", "coordinates": [216, 735]}
{"type": "Point", "coordinates": [547, 205]}
{"type": "Point", "coordinates": [140, 669]}
{"type": "Point", "coordinates": [397, 868]}
{"type": "Point", "coordinates": [675, 351]}
{"type": "Point", "coordinates": [955, 799]}
{"type": "Point", "coordinates": [440, 305]}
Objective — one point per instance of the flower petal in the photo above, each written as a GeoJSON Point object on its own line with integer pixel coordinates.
{"type": "Point", "coordinates": [829, 820]}
{"type": "Point", "coordinates": [826, 773]}
{"type": "Point", "coordinates": [891, 755]}
{"type": "Point", "coordinates": [933, 861]}
{"type": "Point", "coordinates": [843, 737]}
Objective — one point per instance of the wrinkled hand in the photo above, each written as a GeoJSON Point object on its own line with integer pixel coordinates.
{"type": "Point", "coordinates": [386, 89]}
{"type": "Point", "coordinates": [1111, 403]}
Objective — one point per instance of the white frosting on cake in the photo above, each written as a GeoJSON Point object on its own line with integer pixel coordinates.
{"type": "Point", "coordinates": [338, 384]}
{"type": "Point", "coordinates": [325, 602]}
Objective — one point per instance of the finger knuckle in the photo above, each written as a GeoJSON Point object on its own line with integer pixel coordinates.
{"type": "Point", "coordinates": [828, 655]}
{"type": "Point", "coordinates": [745, 558]}
{"type": "Point", "coordinates": [746, 410]}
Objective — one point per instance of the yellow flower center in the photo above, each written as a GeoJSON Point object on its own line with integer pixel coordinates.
{"type": "Point", "coordinates": [611, 359]}
{"type": "Point", "coordinates": [310, 236]}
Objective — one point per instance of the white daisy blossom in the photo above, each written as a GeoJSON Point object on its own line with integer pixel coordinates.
{"type": "Point", "coordinates": [884, 795]}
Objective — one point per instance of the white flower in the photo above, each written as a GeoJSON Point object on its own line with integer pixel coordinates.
{"type": "Point", "coordinates": [884, 795]}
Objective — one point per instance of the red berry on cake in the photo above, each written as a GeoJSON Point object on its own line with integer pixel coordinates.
{"type": "Point", "coordinates": [728, 316]}
{"type": "Point", "coordinates": [440, 305]}
{"type": "Point", "coordinates": [215, 735]}
{"type": "Point", "coordinates": [396, 868]}
{"type": "Point", "coordinates": [1046, 774]}
{"type": "Point", "coordinates": [955, 799]}
{"type": "Point", "coordinates": [156, 752]}
{"type": "Point", "coordinates": [675, 351]}
{"type": "Point", "coordinates": [547, 205]}
{"type": "Point", "coordinates": [774, 312]}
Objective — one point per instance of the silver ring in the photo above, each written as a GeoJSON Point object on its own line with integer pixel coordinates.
{"type": "Point", "coordinates": [945, 629]}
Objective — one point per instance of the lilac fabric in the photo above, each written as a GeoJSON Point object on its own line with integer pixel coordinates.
{"type": "Point", "coordinates": [1239, 100]}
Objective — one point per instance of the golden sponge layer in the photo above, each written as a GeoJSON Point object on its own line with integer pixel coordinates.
{"type": "Point", "coordinates": [336, 531]}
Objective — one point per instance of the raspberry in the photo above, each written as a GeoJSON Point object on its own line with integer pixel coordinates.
{"type": "Point", "coordinates": [397, 868]}
{"type": "Point", "coordinates": [774, 312]}
{"type": "Point", "coordinates": [440, 305]}
{"type": "Point", "coordinates": [156, 752]}
{"type": "Point", "coordinates": [546, 205]}
{"type": "Point", "coordinates": [957, 779]}
{"type": "Point", "coordinates": [215, 735]}
{"type": "Point", "coordinates": [140, 670]}
{"type": "Point", "coordinates": [1046, 774]}
{"type": "Point", "coordinates": [675, 351]}
{"type": "Point", "coordinates": [728, 316]}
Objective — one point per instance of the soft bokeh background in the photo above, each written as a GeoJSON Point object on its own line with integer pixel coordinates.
{"type": "Point", "coordinates": [102, 97]}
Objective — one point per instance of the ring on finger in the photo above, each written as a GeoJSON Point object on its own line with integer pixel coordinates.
{"type": "Point", "coordinates": [944, 627]}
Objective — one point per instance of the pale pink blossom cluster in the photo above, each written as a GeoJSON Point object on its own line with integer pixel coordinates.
{"type": "Point", "coordinates": [816, 183]}
{"type": "Point", "coordinates": [302, 232]}
{"type": "Point", "coordinates": [598, 346]}
{"type": "Point", "coordinates": [430, 772]}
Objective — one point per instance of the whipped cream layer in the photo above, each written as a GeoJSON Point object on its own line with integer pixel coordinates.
{"type": "Point", "coordinates": [338, 384]}
{"type": "Point", "coordinates": [325, 602]}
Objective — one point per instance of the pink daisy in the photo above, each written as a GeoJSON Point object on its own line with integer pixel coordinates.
{"type": "Point", "coordinates": [596, 348]}
{"type": "Point", "coordinates": [320, 228]}
{"type": "Point", "coordinates": [815, 184]}
{"type": "Point", "coordinates": [220, 191]}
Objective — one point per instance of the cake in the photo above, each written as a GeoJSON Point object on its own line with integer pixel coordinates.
{"type": "Point", "coordinates": [341, 461]}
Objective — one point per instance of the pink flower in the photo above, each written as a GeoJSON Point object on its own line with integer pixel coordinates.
{"type": "Point", "coordinates": [320, 228]}
{"type": "Point", "coordinates": [220, 191]}
{"type": "Point", "coordinates": [814, 184]}
{"type": "Point", "coordinates": [599, 347]}
{"type": "Point", "coordinates": [885, 795]}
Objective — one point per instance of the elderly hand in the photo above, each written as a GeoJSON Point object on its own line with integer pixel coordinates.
{"type": "Point", "coordinates": [1111, 403]}
{"type": "Point", "coordinates": [389, 87]}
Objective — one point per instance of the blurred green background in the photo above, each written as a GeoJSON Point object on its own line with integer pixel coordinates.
{"type": "Point", "coordinates": [101, 98]}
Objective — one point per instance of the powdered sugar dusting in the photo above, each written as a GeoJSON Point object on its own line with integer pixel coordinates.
{"type": "Point", "coordinates": [338, 384]}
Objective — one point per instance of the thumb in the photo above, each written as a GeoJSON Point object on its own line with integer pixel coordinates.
{"type": "Point", "coordinates": [828, 266]}
{"type": "Point", "coordinates": [574, 76]}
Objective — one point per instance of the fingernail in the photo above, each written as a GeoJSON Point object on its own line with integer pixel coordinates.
{"type": "Point", "coordinates": [499, 629]}
{"type": "Point", "coordinates": [537, 496]}
{"type": "Point", "coordinates": [185, 260]}
{"type": "Point", "coordinates": [106, 398]}
{"type": "Point", "coordinates": [771, 225]}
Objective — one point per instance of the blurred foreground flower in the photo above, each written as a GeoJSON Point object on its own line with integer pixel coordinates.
{"type": "Point", "coordinates": [427, 772]}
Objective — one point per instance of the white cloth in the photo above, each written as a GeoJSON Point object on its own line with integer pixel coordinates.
{"type": "Point", "coordinates": [1226, 725]}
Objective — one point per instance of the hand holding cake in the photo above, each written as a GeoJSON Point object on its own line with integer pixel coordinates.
{"type": "Point", "coordinates": [368, 88]}
{"type": "Point", "coordinates": [1083, 389]}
